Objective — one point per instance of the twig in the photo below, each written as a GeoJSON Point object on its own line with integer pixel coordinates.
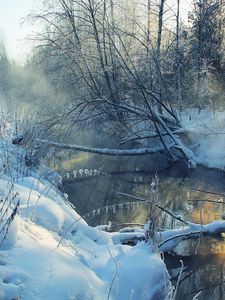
{"type": "Point", "coordinates": [160, 207]}
{"type": "Point", "coordinates": [206, 288]}
{"type": "Point", "coordinates": [28, 200]}
{"type": "Point", "coordinates": [205, 200]}
{"type": "Point", "coordinates": [198, 294]}
{"type": "Point", "coordinates": [126, 224]}
{"type": "Point", "coordinates": [179, 279]}
{"type": "Point", "coordinates": [7, 197]}
{"type": "Point", "coordinates": [115, 275]}
{"type": "Point", "coordinates": [39, 197]}
{"type": "Point", "coordinates": [187, 234]}
{"type": "Point", "coordinates": [208, 192]}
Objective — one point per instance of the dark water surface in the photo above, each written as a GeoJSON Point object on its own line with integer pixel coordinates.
{"type": "Point", "coordinates": [204, 259]}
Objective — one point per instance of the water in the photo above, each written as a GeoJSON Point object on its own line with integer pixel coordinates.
{"type": "Point", "coordinates": [204, 259]}
{"type": "Point", "coordinates": [203, 273]}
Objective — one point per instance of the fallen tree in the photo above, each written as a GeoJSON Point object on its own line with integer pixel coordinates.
{"type": "Point", "coordinates": [169, 239]}
{"type": "Point", "coordinates": [187, 153]}
{"type": "Point", "coordinates": [105, 151]}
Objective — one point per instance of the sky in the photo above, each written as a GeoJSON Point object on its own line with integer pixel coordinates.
{"type": "Point", "coordinates": [11, 29]}
{"type": "Point", "coordinates": [14, 33]}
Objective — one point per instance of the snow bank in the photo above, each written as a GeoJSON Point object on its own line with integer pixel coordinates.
{"type": "Point", "coordinates": [36, 263]}
{"type": "Point", "coordinates": [150, 280]}
{"type": "Point", "coordinates": [206, 133]}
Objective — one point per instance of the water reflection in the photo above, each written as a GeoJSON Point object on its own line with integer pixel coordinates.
{"type": "Point", "coordinates": [204, 259]}
{"type": "Point", "coordinates": [202, 273]}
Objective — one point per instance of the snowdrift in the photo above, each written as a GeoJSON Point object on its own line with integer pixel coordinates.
{"type": "Point", "coordinates": [206, 136]}
{"type": "Point", "coordinates": [49, 252]}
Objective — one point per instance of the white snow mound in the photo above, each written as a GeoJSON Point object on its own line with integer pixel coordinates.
{"type": "Point", "coordinates": [86, 265]}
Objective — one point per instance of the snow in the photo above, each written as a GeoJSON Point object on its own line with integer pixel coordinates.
{"type": "Point", "coordinates": [206, 133]}
{"type": "Point", "coordinates": [105, 151]}
{"type": "Point", "coordinates": [49, 252]}
{"type": "Point", "coordinates": [150, 280]}
{"type": "Point", "coordinates": [171, 238]}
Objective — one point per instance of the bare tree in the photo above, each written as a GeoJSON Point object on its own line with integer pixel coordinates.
{"type": "Point", "coordinates": [178, 56]}
{"type": "Point", "coordinates": [89, 36]}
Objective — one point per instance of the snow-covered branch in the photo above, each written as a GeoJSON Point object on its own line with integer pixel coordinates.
{"type": "Point", "coordinates": [169, 239]}
{"type": "Point", "coordinates": [105, 151]}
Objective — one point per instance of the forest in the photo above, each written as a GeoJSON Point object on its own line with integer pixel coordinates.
{"type": "Point", "coordinates": [112, 147]}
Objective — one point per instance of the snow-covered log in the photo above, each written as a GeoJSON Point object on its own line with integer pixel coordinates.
{"type": "Point", "coordinates": [105, 151]}
{"type": "Point", "coordinates": [169, 239]}
{"type": "Point", "coordinates": [188, 154]}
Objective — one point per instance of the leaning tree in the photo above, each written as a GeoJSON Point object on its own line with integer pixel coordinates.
{"type": "Point", "coordinates": [99, 45]}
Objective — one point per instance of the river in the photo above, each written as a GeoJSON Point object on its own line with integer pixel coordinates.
{"type": "Point", "coordinates": [180, 190]}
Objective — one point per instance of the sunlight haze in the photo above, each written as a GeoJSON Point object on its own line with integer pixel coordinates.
{"type": "Point", "coordinates": [12, 30]}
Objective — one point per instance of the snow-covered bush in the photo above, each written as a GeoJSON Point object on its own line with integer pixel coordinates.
{"type": "Point", "coordinates": [20, 152]}
{"type": "Point", "coordinates": [14, 150]}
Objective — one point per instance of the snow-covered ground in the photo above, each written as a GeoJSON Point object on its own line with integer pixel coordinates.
{"type": "Point", "coordinates": [206, 132]}
{"type": "Point", "coordinates": [49, 252]}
